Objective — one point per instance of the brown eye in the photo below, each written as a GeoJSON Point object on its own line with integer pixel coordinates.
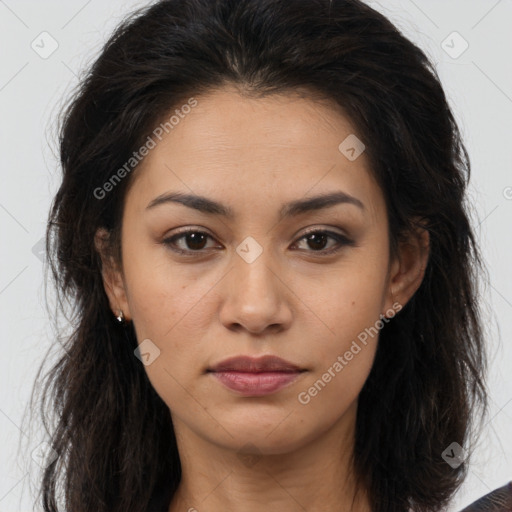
{"type": "Point", "coordinates": [318, 240]}
{"type": "Point", "coordinates": [193, 240]}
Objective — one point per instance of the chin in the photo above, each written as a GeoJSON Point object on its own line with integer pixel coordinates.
{"type": "Point", "coordinates": [263, 437]}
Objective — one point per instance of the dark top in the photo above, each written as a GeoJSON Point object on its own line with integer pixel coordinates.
{"type": "Point", "coordinates": [499, 500]}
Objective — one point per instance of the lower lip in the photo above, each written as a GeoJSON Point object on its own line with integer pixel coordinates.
{"type": "Point", "coordinates": [255, 384]}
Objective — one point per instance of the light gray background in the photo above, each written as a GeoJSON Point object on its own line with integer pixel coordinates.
{"type": "Point", "coordinates": [32, 89]}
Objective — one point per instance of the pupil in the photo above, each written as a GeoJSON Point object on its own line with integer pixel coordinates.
{"type": "Point", "coordinates": [313, 236]}
{"type": "Point", "coordinates": [195, 240]}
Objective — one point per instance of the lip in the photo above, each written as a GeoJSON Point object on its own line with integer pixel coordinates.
{"type": "Point", "coordinates": [251, 376]}
{"type": "Point", "coordinates": [268, 363]}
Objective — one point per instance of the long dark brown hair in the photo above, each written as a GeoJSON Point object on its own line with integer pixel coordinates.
{"type": "Point", "coordinates": [112, 438]}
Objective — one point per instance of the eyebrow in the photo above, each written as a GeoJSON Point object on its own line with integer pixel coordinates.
{"type": "Point", "coordinates": [291, 209]}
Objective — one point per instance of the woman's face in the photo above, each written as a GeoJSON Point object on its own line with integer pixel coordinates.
{"type": "Point", "coordinates": [252, 283]}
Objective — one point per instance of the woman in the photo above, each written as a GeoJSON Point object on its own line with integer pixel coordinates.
{"type": "Point", "coordinates": [263, 229]}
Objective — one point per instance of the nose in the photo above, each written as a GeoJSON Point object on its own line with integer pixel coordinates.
{"type": "Point", "coordinates": [256, 298]}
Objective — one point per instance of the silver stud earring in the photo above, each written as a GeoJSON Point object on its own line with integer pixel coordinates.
{"type": "Point", "coordinates": [120, 316]}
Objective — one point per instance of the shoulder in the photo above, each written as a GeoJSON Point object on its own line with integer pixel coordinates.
{"type": "Point", "coordinates": [499, 500]}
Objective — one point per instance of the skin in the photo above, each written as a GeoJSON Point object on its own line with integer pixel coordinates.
{"type": "Point", "coordinates": [253, 155]}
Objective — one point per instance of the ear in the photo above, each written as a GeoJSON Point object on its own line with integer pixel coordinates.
{"type": "Point", "coordinates": [113, 281]}
{"type": "Point", "coordinates": [408, 269]}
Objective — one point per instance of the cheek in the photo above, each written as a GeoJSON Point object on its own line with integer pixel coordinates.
{"type": "Point", "coordinates": [345, 355]}
{"type": "Point", "coordinates": [350, 298]}
{"type": "Point", "coordinates": [172, 311]}
{"type": "Point", "coordinates": [155, 290]}
{"type": "Point", "coordinates": [172, 307]}
{"type": "Point", "coordinates": [350, 304]}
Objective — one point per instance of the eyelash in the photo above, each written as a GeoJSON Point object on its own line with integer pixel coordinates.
{"type": "Point", "coordinates": [341, 239]}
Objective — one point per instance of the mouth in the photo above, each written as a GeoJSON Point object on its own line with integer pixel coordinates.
{"type": "Point", "coordinates": [250, 376]}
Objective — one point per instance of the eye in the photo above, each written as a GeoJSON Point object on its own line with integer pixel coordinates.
{"type": "Point", "coordinates": [319, 237]}
{"type": "Point", "coordinates": [195, 241]}
{"type": "Point", "coordinates": [193, 238]}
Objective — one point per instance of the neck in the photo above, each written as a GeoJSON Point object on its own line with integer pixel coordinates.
{"type": "Point", "coordinates": [316, 476]}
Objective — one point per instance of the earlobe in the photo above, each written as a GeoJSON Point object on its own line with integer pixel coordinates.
{"type": "Point", "coordinates": [408, 269]}
{"type": "Point", "coordinates": [112, 276]}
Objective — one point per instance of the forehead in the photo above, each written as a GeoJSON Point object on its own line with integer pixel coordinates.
{"type": "Point", "coordinates": [225, 121]}
{"type": "Point", "coordinates": [281, 145]}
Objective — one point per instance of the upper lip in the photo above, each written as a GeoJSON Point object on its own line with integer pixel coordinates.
{"type": "Point", "coordinates": [267, 363]}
